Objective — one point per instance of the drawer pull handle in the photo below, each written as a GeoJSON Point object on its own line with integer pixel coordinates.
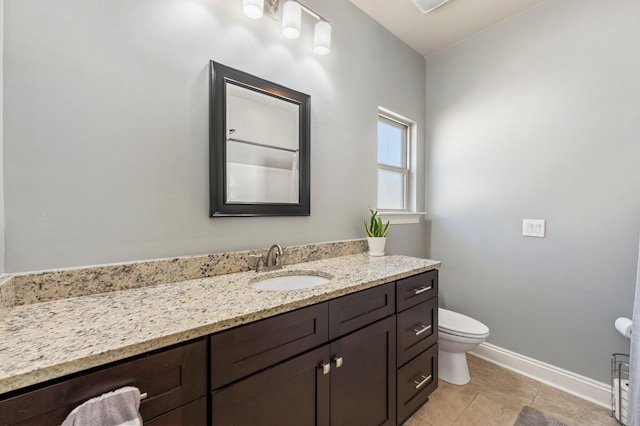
{"type": "Point", "coordinates": [421, 329]}
{"type": "Point", "coordinates": [325, 367]}
{"type": "Point", "coordinates": [143, 396]}
{"type": "Point", "coordinates": [417, 291]}
{"type": "Point", "coordinates": [338, 360]}
{"type": "Point", "coordinates": [420, 383]}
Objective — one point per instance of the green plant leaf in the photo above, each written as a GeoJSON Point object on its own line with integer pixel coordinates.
{"type": "Point", "coordinates": [367, 228]}
{"type": "Point", "coordinates": [385, 231]}
{"type": "Point", "coordinates": [375, 228]}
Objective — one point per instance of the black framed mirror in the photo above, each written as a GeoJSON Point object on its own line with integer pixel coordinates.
{"type": "Point", "coordinates": [259, 157]}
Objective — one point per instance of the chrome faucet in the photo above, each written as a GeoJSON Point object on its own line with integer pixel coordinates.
{"type": "Point", "coordinates": [274, 258]}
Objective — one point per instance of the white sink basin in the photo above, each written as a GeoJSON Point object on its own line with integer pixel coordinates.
{"type": "Point", "coordinates": [290, 282]}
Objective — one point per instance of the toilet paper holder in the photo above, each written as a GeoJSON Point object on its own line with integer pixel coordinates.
{"type": "Point", "coordinates": [624, 326]}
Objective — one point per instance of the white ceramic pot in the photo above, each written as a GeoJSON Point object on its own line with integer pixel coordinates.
{"type": "Point", "coordinates": [376, 245]}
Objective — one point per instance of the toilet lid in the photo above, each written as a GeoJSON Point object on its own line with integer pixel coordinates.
{"type": "Point", "coordinates": [461, 325]}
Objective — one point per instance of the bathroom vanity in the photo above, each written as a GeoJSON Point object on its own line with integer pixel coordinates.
{"type": "Point", "coordinates": [359, 350]}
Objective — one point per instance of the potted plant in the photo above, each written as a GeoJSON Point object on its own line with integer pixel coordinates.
{"type": "Point", "coordinates": [376, 233]}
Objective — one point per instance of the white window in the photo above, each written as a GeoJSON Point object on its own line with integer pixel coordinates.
{"type": "Point", "coordinates": [397, 168]}
{"type": "Point", "coordinates": [393, 163]}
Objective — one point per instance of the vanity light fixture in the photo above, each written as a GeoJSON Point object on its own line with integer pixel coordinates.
{"type": "Point", "coordinates": [253, 8]}
{"type": "Point", "coordinates": [427, 6]}
{"type": "Point", "coordinates": [291, 20]}
{"type": "Point", "coordinates": [322, 38]}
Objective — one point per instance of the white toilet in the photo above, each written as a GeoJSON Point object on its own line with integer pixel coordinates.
{"type": "Point", "coordinates": [457, 335]}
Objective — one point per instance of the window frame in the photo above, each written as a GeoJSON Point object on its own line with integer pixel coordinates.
{"type": "Point", "coordinates": [409, 214]}
{"type": "Point", "coordinates": [407, 136]}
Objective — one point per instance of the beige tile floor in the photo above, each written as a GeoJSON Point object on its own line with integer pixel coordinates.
{"type": "Point", "coordinates": [495, 396]}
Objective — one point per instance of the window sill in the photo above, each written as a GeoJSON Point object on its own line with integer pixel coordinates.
{"type": "Point", "coordinates": [399, 218]}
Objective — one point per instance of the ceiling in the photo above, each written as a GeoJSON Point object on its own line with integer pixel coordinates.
{"type": "Point", "coordinates": [445, 26]}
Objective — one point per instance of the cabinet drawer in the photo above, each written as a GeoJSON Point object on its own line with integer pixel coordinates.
{"type": "Point", "coordinates": [241, 351]}
{"type": "Point", "coordinates": [192, 414]}
{"type": "Point", "coordinates": [354, 311]}
{"type": "Point", "coordinates": [170, 378]}
{"type": "Point", "coordinates": [413, 290]}
{"type": "Point", "coordinates": [417, 329]}
{"type": "Point", "coordinates": [416, 381]}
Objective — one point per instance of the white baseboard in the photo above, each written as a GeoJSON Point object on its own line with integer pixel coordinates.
{"type": "Point", "coordinates": [583, 387]}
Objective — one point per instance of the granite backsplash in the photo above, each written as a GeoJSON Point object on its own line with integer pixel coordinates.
{"type": "Point", "coordinates": [23, 289]}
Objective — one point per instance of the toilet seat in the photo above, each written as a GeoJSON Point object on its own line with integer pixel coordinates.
{"type": "Point", "coordinates": [456, 324]}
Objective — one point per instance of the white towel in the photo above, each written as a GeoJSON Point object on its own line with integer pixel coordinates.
{"type": "Point", "coordinates": [117, 408]}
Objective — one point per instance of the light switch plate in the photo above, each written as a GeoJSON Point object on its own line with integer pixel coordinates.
{"type": "Point", "coordinates": [533, 228]}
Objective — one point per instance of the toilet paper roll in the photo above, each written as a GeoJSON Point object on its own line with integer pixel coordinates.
{"type": "Point", "coordinates": [623, 325]}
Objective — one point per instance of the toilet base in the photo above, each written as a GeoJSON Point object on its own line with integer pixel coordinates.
{"type": "Point", "coordinates": [453, 368]}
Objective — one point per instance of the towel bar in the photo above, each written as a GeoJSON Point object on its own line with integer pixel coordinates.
{"type": "Point", "coordinates": [143, 396]}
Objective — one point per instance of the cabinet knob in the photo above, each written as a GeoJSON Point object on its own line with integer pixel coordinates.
{"type": "Point", "coordinates": [338, 360]}
{"type": "Point", "coordinates": [325, 367]}
{"type": "Point", "coordinates": [421, 329]}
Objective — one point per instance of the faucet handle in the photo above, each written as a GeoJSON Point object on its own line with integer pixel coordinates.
{"type": "Point", "coordinates": [260, 264]}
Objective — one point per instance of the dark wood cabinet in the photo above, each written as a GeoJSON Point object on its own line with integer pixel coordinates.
{"type": "Point", "coordinates": [416, 380]}
{"type": "Point", "coordinates": [293, 393]}
{"type": "Point", "coordinates": [417, 330]}
{"type": "Point", "coordinates": [417, 348]}
{"type": "Point", "coordinates": [354, 311]}
{"type": "Point", "coordinates": [193, 413]}
{"type": "Point", "coordinates": [363, 382]}
{"type": "Point", "coordinates": [171, 378]}
{"type": "Point", "coordinates": [416, 289]}
{"type": "Point", "coordinates": [349, 380]}
{"type": "Point", "coordinates": [244, 350]}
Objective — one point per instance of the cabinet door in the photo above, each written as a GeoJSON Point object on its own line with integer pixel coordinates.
{"type": "Point", "coordinates": [294, 393]}
{"type": "Point", "coordinates": [363, 381]}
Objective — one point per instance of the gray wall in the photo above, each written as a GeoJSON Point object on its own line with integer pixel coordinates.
{"type": "Point", "coordinates": [539, 117]}
{"type": "Point", "coordinates": [106, 126]}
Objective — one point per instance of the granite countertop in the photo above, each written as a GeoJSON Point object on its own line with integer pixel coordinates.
{"type": "Point", "coordinates": [43, 341]}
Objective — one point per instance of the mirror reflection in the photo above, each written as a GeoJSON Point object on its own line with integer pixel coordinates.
{"type": "Point", "coordinates": [262, 148]}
